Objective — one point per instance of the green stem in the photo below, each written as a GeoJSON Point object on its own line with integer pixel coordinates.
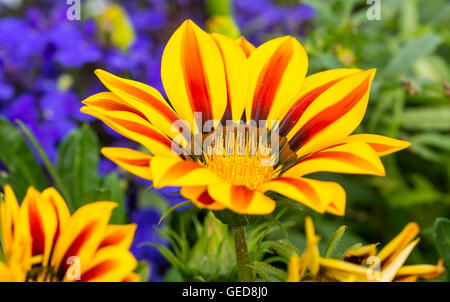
{"type": "Point", "coordinates": [242, 258]}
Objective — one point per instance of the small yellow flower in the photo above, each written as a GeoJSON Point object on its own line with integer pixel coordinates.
{"type": "Point", "coordinates": [41, 241]}
{"type": "Point", "coordinates": [362, 263]}
{"type": "Point", "coordinates": [231, 80]}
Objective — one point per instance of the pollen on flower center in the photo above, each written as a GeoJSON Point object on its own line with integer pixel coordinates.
{"type": "Point", "coordinates": [241, 159]}
{"type": "Point", "coordinates": [242, 170]}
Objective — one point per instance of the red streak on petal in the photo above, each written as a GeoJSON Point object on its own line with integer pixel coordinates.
{"type": "Point", "coordinates": [269, 80]}
{"type": "Point", "coordinates": [180, 169]}
{"type": "Point", "coordinates": [144, 97]}
{"type": "Point", "coordinates": [297, 110]}
{"type": "Point", "coordinates": [194, 75]}
{"type": "Point", "coordinates": [304, 187]}
{"type": "Point", "coordinates": [241, 196]}
{"type": "Point", "coordinates": [36, 229]}
{"type": "Point", "coordinates": [380, 147]}
{"type": "Point", "coordinates": [99, 269]}
{"type": "Point", "coordinates": [205, 198]}
{"type": "Point", "coordinates": [341, 156]}
{"type": "Point", "coordinates": [328, 116]}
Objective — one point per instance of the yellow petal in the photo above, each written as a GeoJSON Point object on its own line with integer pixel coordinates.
{"type": "Point", "coordinates": [39, 217]}
{"type": "Point", "coordinates": [82, 236]}
{"type": "Point", "coordinates": [193, 74]}
{"type": "Point", "coordinates": [343, 266]}
{"type": "Point", "coordinates": [110, 264]}
{"type": "Point", "coordinates": [427, 271]}
{"type": "Point", "coordinates": [277, 69]}
{"type": "Point", "coordinates": [8, 215]}
{"type": "Point", "coordinates": [333, 115]}
{"type": "Point", "coordinates": [293, 272]}
{"type": "Point", "coordinates": [397, 244]}
{"type": "Point", "coordinates": [59, 205]}
{"type": "Point", "coordinates": [135, 128]}
{"type": "Point", "coordinates": [180, 173]}
{"type": "Point", "coordinates": [381, 144]}
{"type": "Point", "coordinates": [313, 86]}
{"type": "Point", "coordinates": [389, 271]}
{"type": "Point", "coordinates": [119, 236]}
{"type": "Point", "coordinates": [352, 158]}
{"type": "Point", "coordinates": [130, 160]}
{"type": "Point", "coordinates": [314, 194]}
{"type": "Point", "coordinates": [240, 199]}
{"type": "Point", "coordinates": [236, 75]}
{"type": "Point", "coordinates": [200, 197]}
{"type": "Point", "coordinates": [136, 97]}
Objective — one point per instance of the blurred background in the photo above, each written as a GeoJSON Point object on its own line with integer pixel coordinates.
{"type": "Point", "coordinates": [49, 50]}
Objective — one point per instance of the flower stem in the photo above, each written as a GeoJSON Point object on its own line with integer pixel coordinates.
{"type": "Point", "coordinates": [242, 258]}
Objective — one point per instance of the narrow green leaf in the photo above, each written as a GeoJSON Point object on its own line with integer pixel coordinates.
{"type": "Point", "coordinates": [48, 165]}
{"type": "Point", "coordinates": [268, 272]}
{"type": "Point", "coordinates": [410, 52]}
{"type": "Point", "coordinates": [333, 244]}
{"type": "Point", "coordinates": [166, 213]}
{"type": "Point", "coordinates": [16, 155]}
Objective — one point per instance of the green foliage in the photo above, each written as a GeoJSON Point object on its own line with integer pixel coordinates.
{"type": "Point", "coordinates": [23, 170]}
{"type": "Point", "coordinates": [442, 239]}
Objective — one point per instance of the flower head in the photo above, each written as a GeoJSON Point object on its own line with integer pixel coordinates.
{"type": "Point", "coordinates": [243, 121]}
{"type": "Point", "coordinates": [42, 241]}
{"type": "Point", "coordinates": [362, 263]}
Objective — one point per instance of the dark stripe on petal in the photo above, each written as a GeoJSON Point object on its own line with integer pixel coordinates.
{"type": "Point", "coordinates": [194, 75]}
{"type": "Point", "coordinates": [328, 116]}
{"type": "Point", "coordinates": [270, 79]}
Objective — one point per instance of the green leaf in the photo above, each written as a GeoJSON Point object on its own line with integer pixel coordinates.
{"type": "Point", "coordinates": [426, 118]}
{"type": "Point", "coordinates": [333, 244]}
{"type": "Point", "coordinates": [442, 239]}
{"type": "Point", "coordinates": [410, 52]}
{"type": "Point", "coordinates": [284, 249]}
{"type": "Point", "coordinates": [268, 272]}
{"type": "Point", "coordinates": [77, 163]}
{"type": "Point", "coordinates": [166, 213]}
{"type": "Point", "coordinates": [16, 155]}
{"type": "Point", "coordinates": [113, 184]}
{"type": "Point", "coordinates": [55, 176]}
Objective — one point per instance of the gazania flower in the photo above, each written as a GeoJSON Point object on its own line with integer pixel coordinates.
{"type": "Point", "coordinates": [209, 77]}
{"type": "Point", "coordinates": [41, 241]}
{"type": "Point", "coordinates": [362, 263]}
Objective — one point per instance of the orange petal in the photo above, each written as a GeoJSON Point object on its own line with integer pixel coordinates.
{"type": "Point", "coordinates": [236, 75]}
{"type": "Point", "coordinates": [130, 160]}
{"type": "Point", "coordinates": [277, 69]}
{"type": "Point", "coordinates": [313, 86]}
{"type": "Point", "coordinates": [135, 128]}
{"type": "Point", "coordinates": [110, 264]}
{"type": "Point", "coordinates": [135, 97]}
{"type": "Point", "coordinates": [352, 158]}
{"type": "Point", "coordinates": [82, 235]}
{"type": "Point", "coordinates": [200, 197]}
{"type": "Point", "coordinates": [381, 144]}
{"type": "Point", "coordinates": [333, 115]}
{"type": "Point", "coordinates": [240, 199]}
{"type": "Point", "coordinates": [193, 74]}
{"type": "Point", "coordinates": [180, 173]}
{"type": "Point", "coordinates": [315, 194]}
{"type": "Point", "coordinates": [119, 236]}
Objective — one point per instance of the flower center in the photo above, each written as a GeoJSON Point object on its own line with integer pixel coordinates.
{"type": "Point", "coordinates": [241, 170]}
{"type": "Point", "coordinates": [241, 159]}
